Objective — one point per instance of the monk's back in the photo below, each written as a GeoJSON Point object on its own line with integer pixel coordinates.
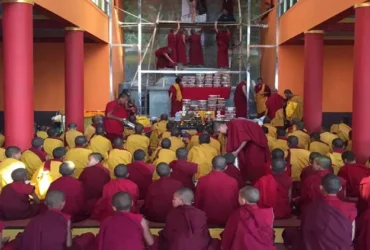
{"type": "Point", "coordinates": [135, 142]}
{"type": "Point", "coordinates": [51, 143]}
{"type": "Point", "coordinates": [203, 155]}
{"type": "Point", "coordinates": [6, 168]}
{"type": "Point", "coordinates": [299, 159]}
{"type": "Point", "coordinates": [337, 161]}
{"type": "Point", "coordinates": [176, 143]}
{"type": "Point", "coordinates": [79, 156]}
{"type": "Point", "coordinates": [303, 138]}
{"type": "Point", "coordinates": [141, 174]}
{"type": "Point", "coordinates": [101, 145]}
{"type": "Point", "coordinates": [320, 147]}
{"type": "Point", "coordinates": [32, 161]}
{"type": "Point", "coordinates": [71, 136]}
{"type": "Point", "coordinates": [118, 156]}
{"type": "Point", "coordinates": [93, 179]}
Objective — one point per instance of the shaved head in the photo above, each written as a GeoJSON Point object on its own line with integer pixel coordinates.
{"type": "Point", "coordinates": [166, 143]}
{"type": "Point", "coordinates": [80, 141]}
{"type": "Point", "coordinates": [67, 168]}
{"type": "Point", "coordinates": [118, 142]}
{"type": "Point", "coordinates": [139, 128]}
{"type": "Point", "coordinates": [323, 162]}
{"type": "Point", "coordinates": [99, 130]}
{"type": "Point", "coordinates": [72, 126]}
{"type": "Point", "coordinates": [122, 201]}
{"type": "Point", "coordinates": [292, 141]}
{"type": "Point", "coordinates": [315, 136]}
{"type": "Point", "coordinates": [338, 143]}
{"type": "Point", "coordinates": [164, 117]}
{"type": "Point", "coordinates": [300, 125]}
{"type": "Point", "coordinates": [59, 153]}
{"type": "Point", "coordinates": [12, 151]}
{"type": "Point", "coordinates": [186, 195]}
{"type": "Point", "coordinates": [204, 139]}
{"type": "Point", "coordinates": [182, 154]}
{"type": "Point", "coordinates": [278, 166]}
{"type": "Point", "coordinates": [313, 156]}
{"type": "Point", "coordinates": [55, 199]}
{"type": "Point", "coordinates": [331, 184]}
{"type": "Point", "coordinates": [175, 132]}
{"type": "Point", "coordinates": [121, 171]}
{"type": "Point", "coordinates": [37, 142]}
{"type": "Point", "coordinates": [280, 132]}
{"type": "Point", "coordinates": [249, 194]}
{"type": "Point", "coordinates": [170, 126]}
{"type": "Point", "coordinates": [230, 158]}
{"type": "Point", "coordinates": [163, 169]}
{"type": "Point", "coordinates": [219, 163]}
{"type": "Point", "coordinates": [52, 132]}
{"type": "Point", "coordinates": [139, 155]}
{"type": "Point", "coordinates": [277, 153]}
{"type": "Point", "coordinates": [19, 174]}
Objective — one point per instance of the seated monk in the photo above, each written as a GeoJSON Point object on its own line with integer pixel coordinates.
{"type": "Point", "coordinates": [186, 226]}
{"type": "Point", "coordinates": [99, 143]}
{"type": "Point", "coordinates": [124, 230]}
{"type": "Point", "coordinates": [71, 135]}
{"type": "Point", "coordinates": [158, 201]}
{"type": "Point", "coordinates": [278, 154]}
{"type": "Point", "coordinates": [34, 156]}
{"type": "Point", "coordinates": [79, 155]}
{"type": "Point", "coordinates": [52, 142]}
{"type": "Point", "coordinates": [213, 139]}
{"type": "Point", "coordinates": [299, 158]}
{"type": "Point", "coordinates": [103, 207]}
{"type": "Point", "coordinates": [202, 155]}
{"type": "Point", "coordinates": [167, 134]}
{"type": "Point", "coordinates": [294, 106]}
{"type": "Point", "coordinates": [93, 178]}
{"type": "Point", "coordinates": [344, 129]}
{"type": "Point", "coordinates": [209, 195]}
{"type": "Point", "coordinates": [353, 173]}
{"type": "Point", "coordinates": [118, 155]}
{"type": "Point", "coordinates": [279, 119]}
{"type": "Point", "coordinates": [308, 171]}
{"type": "Point", "coordinates": [194, 140]}
{"type": "Point", "coordinates": [15, 202]}
{"type": "Point", "coordinates": [183, 170]}
{"type": "Point", "coordinates": [52, 229]}
{"type": "Point", "coordinates": [276, 190]}
{"type": "Point", "coordinates": [249, 227]}
{"type": "Point", "coordinates": [232, 170]}
{"type": "Point", "coordinates": [270, 140]}
{"type": "Point", "coordinates": [336, 155]}
{"type": "Point", "coordinates": [74, 192]}
{"type": "Point", "coordinates": [163, 154]}
{"type": "Point", "coordinates": [302, 135]}
{"type": "Point", "coordinates": [137, 141]}
{"type": "Point", "coordinates": [349, 142]}
{"type": "Point", "coordinates": [12, 162]}
{"type": "Point", "coordinates": [316, 145]}
{"type": "Point", "coordinates": [141, 173]}
{"type": "Point", "coordinates": [281, 141]}
{"type": "Point", "coordinates": [42, 132]}
{"type": "Point", "coordinates": [328, 138]}
{"type": "Point", "coordinates": [48, 172]}
{"type": "Point", "coordinates": [2, 154]}
{"type": "Point", "coordinates": [271, 129]}
{"type": "Point", "coordinates": [157, 129]}
{"type": "Point", "coordinates": [128, 130]}
{"type": "Point", "coordinates": [176, 139]}
{"type": "Point", "coordinates": [90, 130]}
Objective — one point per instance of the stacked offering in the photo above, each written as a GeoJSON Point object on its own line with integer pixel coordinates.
{"type": "Point", "coordinates": [206, 80]}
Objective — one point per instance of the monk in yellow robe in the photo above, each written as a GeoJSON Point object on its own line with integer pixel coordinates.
{"type": "Point", "coordinates": [271, 128]}
{"type": "Point", "coordinates": [167, 134]}
{"type": "Point", "coordinates": [118, 155]}
{"type": "Point", "coordinates": [99, 143]}
{"type": "Point", "coordinates": [270, 140]}
{"type": "Point", "coordinates": [303, 137]}
{"type": "Point", "coordinates": [34, 156]}
{"type": "Point", "coordinates": [48, 172]}
{"type": "Point", "coordinates": [194, 140]}
{"type": "Point", "coordinates": [157, 129]}
{"type": "Point", "coordinates": [349, 142]}
{"type": "Point", "coordinates": [52, 142]}
{"type": "Point", "coordinates": [128, 130]}
{"type": "Point", "coordinates": [222, 140]}
{"type": "Point", "coordinates": [281, 141]}
{"type": "Point", "coordinates": [163, 154]}
{"type": "Point", "coordinates": [138, 141]}
{"type": "Point", "coordinates": [71, 135]}
{"type": "Point", "coordinates": [90, 130]}
{"type": "Point", "coordinates": [79, 155]}
{"type": "Point", "coordinates": [2, 140]}
{"type": "Point", "coordinates": [336, 155]}
{"type": "Point", "coordinates": [12, 162]}
{"type": "Point", "coordinates": [299, 158]}
{"type": "Point", "coordinates": [328, 138]}
{"type": "Point", "coordinates": [294, 106]}
{"type": "Point", "coordinates": [262, 92]}
{"type": "Point", "coordinates": [2, 154]}
{"type": "Point", "coordinates": [214, 142]}
{"type": "Point", "coordinates": [344, 129]}
{"type": "Point", "coordinates": [176, 140]}
{"type": "Point", "coordinates": [42, 132]}
{"type": "Point", "coordinates": [316, 145]}
{"type": "Point", "coordinates": [279, 119]}
{"type": "Point", "coordinates": [203, 155]}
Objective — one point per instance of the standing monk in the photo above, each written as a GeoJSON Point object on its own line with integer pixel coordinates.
{"type": "Point", "coordinates": [181, 46]}
{"type": "Point", "coordinates": [34, 156]}
{"type": "Point", "coordinates": [115, 114]}
{"type": "Point", "coordinates": [171, 42]}
{"type": "Point", "coordinates": [294, 106]}
{"type": "Point", "coordinates": [240, 100]}
{"type": "Point", "coordinates": [163, 56]}
{"type": "Point", "coordinates": [175, 97]}
{"type": "Point", "coordinates": [222, 39]}
{"type": "Point", "coordinates": [274, 103]}
{"type": "Point", "coordinates": [196, 50]}
{"type": "Point", "coordinates": [262, 93]}
{"type": "Point", "coordinates": [246, 140]}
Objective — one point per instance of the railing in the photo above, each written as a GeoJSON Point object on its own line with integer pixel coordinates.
{"type": "Point", "coordinates": [285, 5]}
{"type": "Point", "coordinates": [102, 4]}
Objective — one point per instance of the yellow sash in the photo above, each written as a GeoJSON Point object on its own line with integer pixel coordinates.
{"type": "Point", "coordinates": [261, 100]}
{"type": "Point", "coordinates": [178, 92]}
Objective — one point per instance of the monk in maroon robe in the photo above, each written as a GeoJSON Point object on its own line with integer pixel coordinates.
{"type": "Point", "coordinates": [186, 226]}
{"type": "Point", "coordinates": [232, 170]}
{"type": "Point", "coordinates": [196, 50]}
{"type": "Point", "coordinates": [52, 230]}
{"type": "Point", "coordinates": [353, 173]}
{"type": "Point", "coordinates": [217, 190]}
{"type": "Point", "coordinates": [124, 230]}
{"type": "Point", "coordinates": [74, 193]}
{"type": "Point", "coordinates": [163, 57]}
{"type": "Point", "coordinates": [93, 178]}
{"type": "Point", "coordinates": [278, 154]}
{"type": "Point", "coordinates": [362, 235]}
{"type": "Point", "coordinates": [171, 43]}
{"type": "Point", "coordinates": [249, 227]}
{"type": "Point", "coordinates": [308, 171]}
{"type": "Point", "coordinates": [15, 203]}
{"type": "Point", "coordinates": [222, 39]}
{"type": "Point", "coordinates": [175, 96]}
{"type": "Point", "coordinates": [274, 103]}
{"type": "Point", "coordinates": [276, 190]}
{"type": "Point", "coordinates": [183, 170]}
{"type": "Point", "coordinates": [158, 201]}
{"type": "Point", "coordinates": [240, 100]}
{"type": "Point", "coordinates": [181, 47]}
{"type": "Point", "coordinates": [103, 207]}
{"type": "Point", "coordinates": [247, 140]}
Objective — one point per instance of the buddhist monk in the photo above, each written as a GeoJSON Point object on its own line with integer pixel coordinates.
{"type": "Point", "coordinates": [42, 132]}
{"type": "Point", "coordinates": [90, 130]}
{"type": "Point", "coordinates": [100, 144]}
{"type": "Point", "coordinates": [163, 154]}
{"type": "Point", "coordinates": [34, 156]}
{"type": "Point", "coordinates": [128, 130]}
{"type": "Point", "coordinates": [328, 223]}
{"type": "Point", "coordinates": [246, 140]}
{"type": "Point", "coordinates": [262, 92]}
{"type": "Point", "coordinates": [222, 39]}
{"type": "Point", "coordinates": [167, 134]}
{"type": "Point", "coordinates": [157, 129]}
{"type": "Point", "coordinates": [93, 178]}
{"type": "Point", "coordinates": [186, 226]}
{"type": "Point", "coordinates": [163, 56]}
{"type": "Point", "coordinates": [274, 103]}
{"type": "Point", "coordinates": [52, 229]}
{"type": "Point", "coordinates": [276, 190]}
{"type": "Point", "coordinates": [124, 230]}
{"type": "Point", "coordinates": [158, 201]}
{"type": "Point", "coordinates": [202, 155]}
{"type": "Point", "coordinates": [15, 202]}
{"type": "Point", "coordinates": [115, 114]}
{"type": "Point", "coordinates": [183, 170]}
{"type": "Point", "coordinates": [328, 138]}
{"type": "Point", "coordinates": [349, 142]}
{"type": "Point", "coordinates": [281, 141]}
{"type": "Point", "coordinates": [364, 199]}
{"type": "Point", "coordinates": [279, 120]}
{"type": "Point", "coordinates": [267, 124]}
{"type": "Point", "coordinates": [140, 172]}
{"type": "Point", "coordinates": [309, 170]}
{"type": "Point", "coordinates": [302, 135]}
{"type": "Point", "coordinates": [294, 107]}
{"type": "Point", "coordinates": [195, 51]}
{"type": "Point", "coordinates": [213, 139]}
{"type": "Point", "coordinates": [118, 155]}
{"type": "Point", "coordinates": [137, 141]}
{"type": "Point", "coordinates": [209, 195]}
{"type": "Point", "coordinates": [103, 208]}
{"type": "Point", "coordinates": [344, 129]}
{"type": "Point", "coordinates": [175, 97]}
{"type": "Point", "coordinates": [12, 162]}
{"type": "Point", "coordinates": [71, 135]}
{"type": "Point", "coordinates": [299, 158]}
{"type": "Point", "coordinates": [362, 237]}
{"type": "Point", "coordinates": [270, 140]}
{"type": "Point", "coordinates": [52, 142]}
{"type": "Point", "coordinates": [336, 155]}
{"type": "Point", "coordinates": [48, 172]}
{"type": "Point", "coordinates": [240, 100]}
{"type": "Point", "coordinates": [249, 227]}
{"type": "Point", "coordinates": [171, 42]}
{"type": "Point", "coordinates": [232, 170]}
{"type": "Point", "coordinates": [353, 173]}
{"type": "Point", "coordinates": [316, 145]}
{"type": "Point", "coordinates": [194, 140]}
{"type": "Point", "coordinates": [181, 46]}
{"type": "Point", "coordinates": [277, 154]}
{"type": "Point", "coordinates": [79, 155]}
{"type": "Point", "coordinates": [74, 192]}
{"type": "Point", "coordinates": [176, 139]}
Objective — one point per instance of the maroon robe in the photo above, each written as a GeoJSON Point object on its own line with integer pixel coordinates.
{"type": "Point", "coordinates": [162, 61]}
{"type": "Point", "coordinates": [181, 48]}
{"type": "Point", "coordinates": [15, 203]}
{"type": "Point", "coordinates": [353, 174]}
{"type": "Point", "coordinates": [306, 172]}
{"type": "Point", "coordinates": [287, 172]}
{"type": "Point", "coordinates": [196, 50]}
{"type": "Point", "coordinates": [249, 228]}
{"type": "Point", "coordinates": [364, 199]}
{"type": "Point", "coordinates": [158, 201]}
{"type": "Point", "coordinates": [171, 43]}
{"type": "Point", "coordinates": [217, 190]}
{"type": "Point", "coordinates": [176, 105]}
{"type": "Point", "coordinates": [362, 238]}
{"type": "Point", "coordinates": [186, 229]}
{"type": "Point", "coordinates": [141, 174]}
{"type": "Point", "coordinates": [234, 172]}
{"type": "Point", "coordinates": [222, 39]}
{"type": "Point", "coordinates": [184, 172]}
{"type": "Point", "coordinates": [253, 157]}
{"type": "Point", "coordinates": [240, 100]}
{"type": "Point", "coordinates": [273, 104]}
{"type": "Point", "coordinates": [267, 93]}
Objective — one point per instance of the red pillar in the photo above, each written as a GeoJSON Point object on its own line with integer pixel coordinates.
{"type": "Point", "coordinates": [361, 84]}
{"type": "Point", "coordinates": [313, 78]}
{"type": "Point", "coordinates": [17, 24]}
{"type": "Point", "coordinates": [74, 77]}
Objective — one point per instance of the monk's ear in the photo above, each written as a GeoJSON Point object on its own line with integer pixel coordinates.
{"type": "Point", "coordinates": [270, 166]}
{"type": "Point", "coordinates": [340, 188]}
{"type": "Point", "coordinates": [321, 188]}
{"type": "Point", "coordinates": [114, 208]}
